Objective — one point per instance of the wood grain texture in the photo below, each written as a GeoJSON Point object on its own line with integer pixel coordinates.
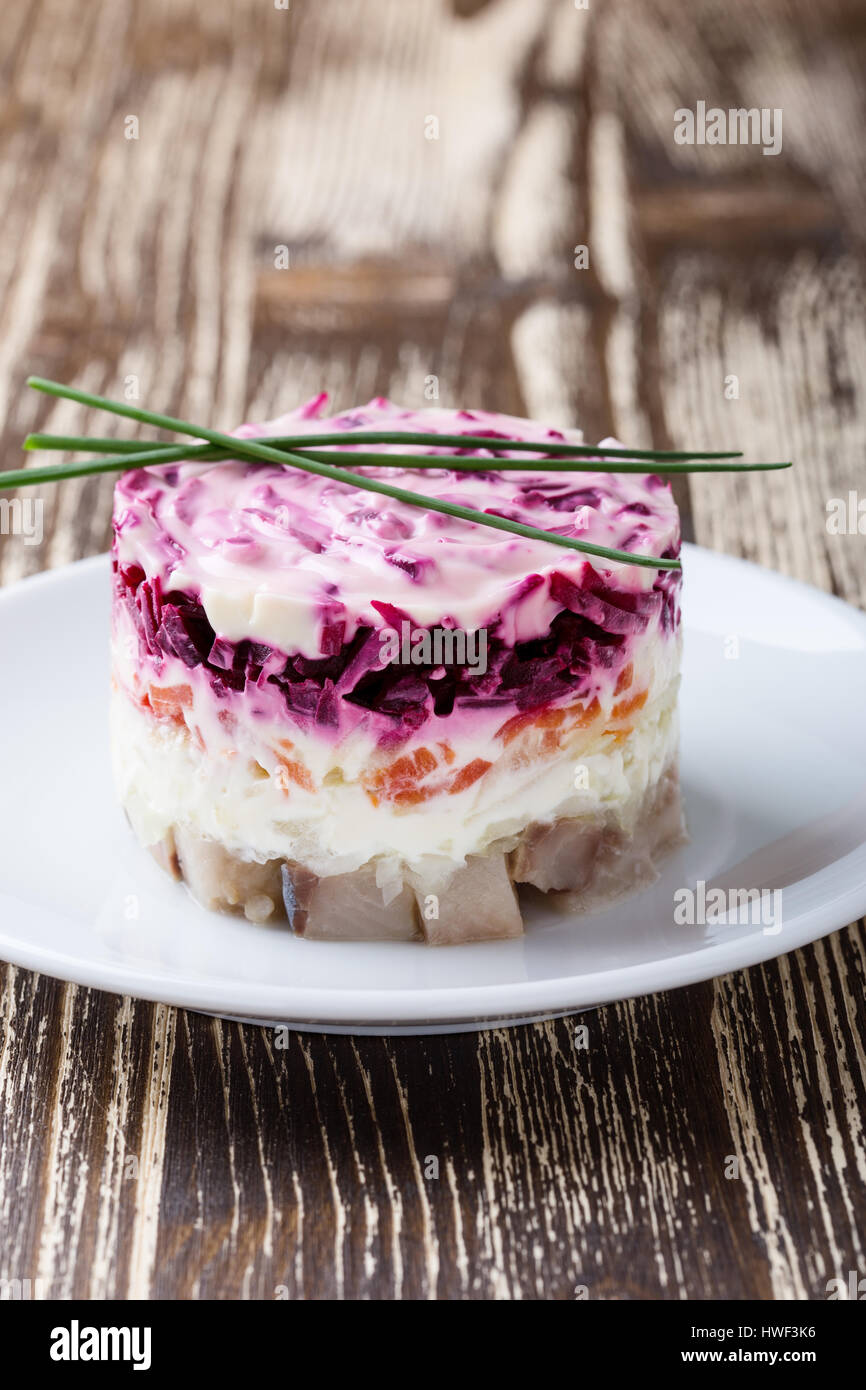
{"type": "Point", "coordinates": [146, 1152]}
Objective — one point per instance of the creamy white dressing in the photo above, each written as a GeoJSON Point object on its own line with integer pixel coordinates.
{"type": "Point", "coordinates": [275, 554]}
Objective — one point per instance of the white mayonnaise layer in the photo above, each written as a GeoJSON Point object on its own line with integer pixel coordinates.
{"type": "Point", "coordinates": [164, 779]}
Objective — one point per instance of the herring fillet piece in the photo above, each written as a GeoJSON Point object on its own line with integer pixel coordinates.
{"type": "Point", "coordinates": [219, 879]}
{"type": "Point", "coordinates": [477, 903]}
{"type": "Point", "coordinates": [346, 907]}
{"type": "Point", "coordinates": [557, 857]}
{"type": "Point", "coordinates": [164, 852]}
{"type": "Point", "coordinates": [595, 862]}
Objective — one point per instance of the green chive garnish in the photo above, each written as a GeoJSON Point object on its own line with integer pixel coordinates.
{"type": "Point", "coordinates": [244, 448]}
{"type": "Point", "coordinates": [305, 452]}
{"type": "Point", "coordinates": [458, 463]}
{"type": "Point", "coordinates": [553, 448]}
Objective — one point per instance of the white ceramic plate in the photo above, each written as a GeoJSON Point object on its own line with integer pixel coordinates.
{"type": "Point", "coordinates": [773, 758]}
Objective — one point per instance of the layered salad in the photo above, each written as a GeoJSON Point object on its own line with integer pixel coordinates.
{"type": "Point", "coordinates": [362, 720]}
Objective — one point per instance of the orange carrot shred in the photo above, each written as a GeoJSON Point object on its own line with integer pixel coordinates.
{"type": "Point", "coordinates": [465, 776]}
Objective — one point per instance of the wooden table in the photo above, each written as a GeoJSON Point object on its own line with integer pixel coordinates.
{"type": "Point", "coordinates": [430, 170]}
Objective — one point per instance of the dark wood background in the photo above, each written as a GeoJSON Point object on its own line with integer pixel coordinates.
{"type": "Point", "coordinates": [149, 1152]}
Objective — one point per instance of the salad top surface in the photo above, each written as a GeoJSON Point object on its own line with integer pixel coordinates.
{"type": "Point", "coordinates": [273, 552]}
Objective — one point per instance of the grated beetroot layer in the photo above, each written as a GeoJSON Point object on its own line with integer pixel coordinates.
{"type": "Point", "coordinates": [587, 637]}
